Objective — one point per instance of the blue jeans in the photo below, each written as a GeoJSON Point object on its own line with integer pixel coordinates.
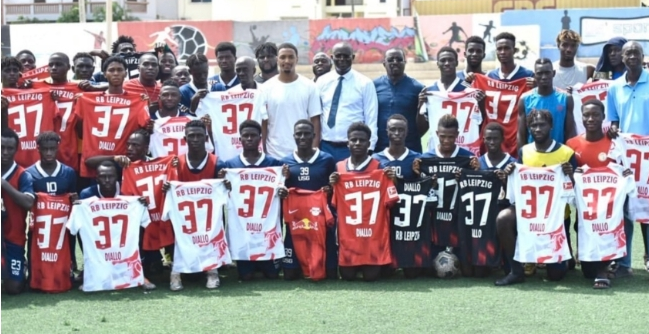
{"type": "Point", "coordinates": [628, 230]}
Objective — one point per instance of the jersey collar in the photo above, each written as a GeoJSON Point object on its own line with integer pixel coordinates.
{"type": "Point", "coordinates": [350, 167]}
{"type": "Point", "coordinates": [44, 173]}
{"type": "Point", "coordinates": [200, 166]}
{"type": "Point", "coordinates": [500, 165]}
{"type": "Point", "coordinates": [502, 76]}
{"type": "Point", "coordinates": [450, 88]}
{"type": "Point", "coordinates": [312, 160]}
{"type": "Point", "coordinates": [453, 155]}
{"type": "Point", "coordinates": [158, 116]}
{"type": "Point", "coordinates": [229, 84]}
{"type": "Point", "coordinates": [551, 147]}
{"type": "Point", "coordinates": [10, 171]}
{"type": "Point", "coordinates": [257, 163]}
{"type": "Point", "coordinates": [391, 158]}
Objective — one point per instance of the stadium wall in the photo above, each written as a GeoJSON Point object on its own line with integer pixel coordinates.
{"type": "Point", "coordinates": [536, 31]}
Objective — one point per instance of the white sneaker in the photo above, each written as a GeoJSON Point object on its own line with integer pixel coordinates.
{"type": "Point", "coordinates": [176, 284]}
{"type": "Point", "coordinates": [213, 280]}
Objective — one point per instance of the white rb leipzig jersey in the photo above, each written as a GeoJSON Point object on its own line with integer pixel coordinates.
{"type": "Point", "coordinates": [599, 195]}
{"type": "Point", "coordinates": [168, 137]}
{"type": "Point", "coordinates": [464, 107]}
{"type": "Point", "coordinates": [540, 195]}
{"type": "Point", "coordinates": [227, 111]}
{"type": "Point", "coordinates": [110, 231]}
{"type": "Point", "coordinates": [637, 155]}
{"type": "Point", "coordinates": [584, 92]}
{"type": "Point", "coordinates": [196, 213]}
{"type": "Point", "coordinates": [254, 226]}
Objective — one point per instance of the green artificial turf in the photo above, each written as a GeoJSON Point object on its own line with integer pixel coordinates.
{"type": "Point", "coordinates": [394, 305]}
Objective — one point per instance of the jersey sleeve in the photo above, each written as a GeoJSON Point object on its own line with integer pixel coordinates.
{"type": "Point", "coordinates": [314, 107]}
{"type": "Point", "coordinates": [77, 111]}
{"type": "Point", "coordinates": [391, 191]}
{"type": "Point", "coordinates": [568, 191]}
{"type": "Point", "coordinates": [286, 204]}
{"type": "Point", "coordinates": [630, 187]}
{"type": "Point", "coordinates": [329, 217]}
{"type": "Point", "coordinates": [263, 110]}
{"type": "Point", "coordinates": [143, 117]}
{"type": "Point", "coordinates": [511, 186]}
{"type": "Point", "coordinates": [26, 184]}
{"type": "Point", "coordinates": [168, 203]}
{"type": "Point", "coordinates": [76, 218]}
{"type": "Point", "coordinates": [145, 219]}
{"type": "Point", "coordinates": [618, 152]}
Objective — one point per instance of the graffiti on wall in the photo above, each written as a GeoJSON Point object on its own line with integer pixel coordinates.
{"type": "Point", "coordinates": [247, 36]}
{"type": "Point", "coordinates": [503, 5]}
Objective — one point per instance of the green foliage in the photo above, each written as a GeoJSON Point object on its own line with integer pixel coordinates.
{"type": "Point", "coordinates": [25, 20]}
{"type": "Point", "coordinates": [71, 16]}
{"type": "Point", "coordinates": [119, 14]}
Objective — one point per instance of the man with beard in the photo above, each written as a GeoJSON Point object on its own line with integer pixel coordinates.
{"type": "Point", "coordinates": [347, 97]}
{"type": "Point", "coordinates": [610, 65]}
{"type": "Point", "coordinates": [146, 83]}
{"type": "Point", "coordinates": [397, 93]}
{"type": "Point", "coordinates": [226, 55]}
{"type": "Point", "coordinates": [290, 97]}
{"type": "Point", "coordinates": [266, 55]}
{"type": "Point", "coordinates": [627, 105]}
{"type": "Point", "coordinates": [568, 70]}
{"type": "Point", "coordinates": [321, 65]}
{"type": "Point", "coordinates": [474, 51]}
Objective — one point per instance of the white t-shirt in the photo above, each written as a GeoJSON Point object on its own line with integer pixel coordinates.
{"type": "Point", "coordinates": [227, 111]}
{"type": "Point", "coordinates": [637, 155]}
{"type": "Point", "coordinates": [196, 213]}
{"type": "Point", "coordinates": [540, 195]}
{"type": "Point", "coordinates": [168, 137]}
{"type": "Point", "coordinates": [287, 104]}
{"type": "Point", "coordinates": [254, 226]}
{"type": "Point", "coordinates": [600, 195]}
{"type": "Point", "coordinates": [110, 231]}
{"type": "Point", "coordinates": [464, 107]}
{"type": "Point", "coordinates": [584, 92]}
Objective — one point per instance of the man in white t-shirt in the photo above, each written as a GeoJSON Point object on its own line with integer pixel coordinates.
{"type": "Point", "coordinates": [290, 97]}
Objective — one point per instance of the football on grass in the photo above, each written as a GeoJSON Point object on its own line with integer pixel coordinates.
{"type": "Point", "coordinates": [446, 265]}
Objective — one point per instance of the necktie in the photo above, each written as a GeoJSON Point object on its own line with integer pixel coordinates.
{"type": "Point", "coordinates": [331, 122]}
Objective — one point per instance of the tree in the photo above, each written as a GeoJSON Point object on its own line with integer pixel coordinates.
{"type": "Point", "coordinates": [23, 19]}
{"type": "Point", "coordinates": [70, 16]}
{"type": "Point", "coordinates": [119, 14]}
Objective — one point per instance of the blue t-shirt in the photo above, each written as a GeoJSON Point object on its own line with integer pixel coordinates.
{"type": "Point", "coordinates": [458, 85]}
{"type": "Point", "coordinates": [485, 164]}
{"type": "Point", "coordinates": [556, 103]}
{"type": "Point", "coordinates": [459, 152]}
{"type": "Point", "coordinates": [312, 174]}
{"type": "Point", "coordinates": [216, 80]}
{"type": "Point", "coordinates": [240, 162]}
{"type": "Point", "coordinates": [520, 72]}
{"type": "Point", "coordinates": [62, 181]}
{"type": "Point", "coordinates": [188, 90]}
{"type": "Point", "coordinates": [402, 164]}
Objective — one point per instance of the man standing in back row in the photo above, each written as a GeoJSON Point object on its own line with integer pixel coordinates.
{"type": "Point", "coordinates": [347, 96]}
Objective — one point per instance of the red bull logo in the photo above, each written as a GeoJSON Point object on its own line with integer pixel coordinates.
{"type": "Point", "coordinates": [304, 224]}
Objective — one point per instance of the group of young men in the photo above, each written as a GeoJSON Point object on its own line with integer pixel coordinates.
{"type": "Point", "coordinates": [324, 177]}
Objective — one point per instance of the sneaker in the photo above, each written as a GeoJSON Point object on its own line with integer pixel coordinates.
{"type": "Point", "coordinates": [530, 269]}
{"type": "Point", "coordinates": [176, 284]}
{"type": "Point", "coordinates": [148, 285]}
{"type": "Point", "coordinates": [213, 280]}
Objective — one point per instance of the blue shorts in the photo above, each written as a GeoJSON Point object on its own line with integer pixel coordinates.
{"type": "Point", "coordinates": [268, 267]}
{"type": "Point", "coordinates": [14, 260]}
{"type": "Point", "coordinates": [290, 261]}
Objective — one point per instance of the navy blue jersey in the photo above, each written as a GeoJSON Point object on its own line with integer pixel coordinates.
{"type": "Point", "coordinates": [62, 181]}
{"type": "Point", "coordinates": [519, 72]}
{"type": "Point", "coordinates": [459, 152]}
{"type": "Point", "coordinates": [240, 162]}
{"type": "Point", "coordinates": [458, 85]}
{"type": "Point", "coordinates": [309, 175]}
{"type": "Point", "coordinates": [485, 163]}
{"type": "Point", "coordinates": [402, 165]}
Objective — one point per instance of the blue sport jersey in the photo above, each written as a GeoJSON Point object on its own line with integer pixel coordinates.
{"type": "Point", "coordinates": [458, 85]}
{"type": "Point", "coordinates": [264, 161]}
{"type": "Point", "coordinates": [519, 72]}
{"type": "Point", "coordinates": [93, 191]}
{"type": "Point", "coordinates": [402, 164]}
{"type": "Point", "coordinates": [62, 181]}
{"type": "Point", "coordinates": [556, 103]}
{"type": "Point", "coordinates": [312, 174]}
{"type": "Point", "coordinates": [188, 90]}
{"type": "Point", "coordinates": [485, 163]}
{"type": "Point", "coordinates": [216, 81]}
{"type": "Point", "coordinates": [459, 152]}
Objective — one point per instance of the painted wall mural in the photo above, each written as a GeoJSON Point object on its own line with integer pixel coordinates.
{"type": "Point", "coordinates": [421, 37]}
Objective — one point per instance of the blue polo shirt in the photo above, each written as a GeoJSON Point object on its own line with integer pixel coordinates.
{"type": "Point", "coordinates": [629, 105]}
{"type": "Point", "coordinates": [188, 90]}
{"type": "Point", "coordinates": [400, 98]}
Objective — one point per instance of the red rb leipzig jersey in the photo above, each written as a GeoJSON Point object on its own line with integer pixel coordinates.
{"type": "Point", "coordinates": [501, 103]}
{"type": "Point", "coordinates": [65, 121]}
{"type": "Point", "coordinates": [108, 120]}
{"type": "Point", "coordinates": [50, 251]}
{"type": "Point", "coordinates": [363, 201]}
{"type": "Point", "coordinates": [145, 178]}
{"type": "Point", "coordinates": [31, 111]}
{"type": "Point", "coordinates": [307, 214]}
